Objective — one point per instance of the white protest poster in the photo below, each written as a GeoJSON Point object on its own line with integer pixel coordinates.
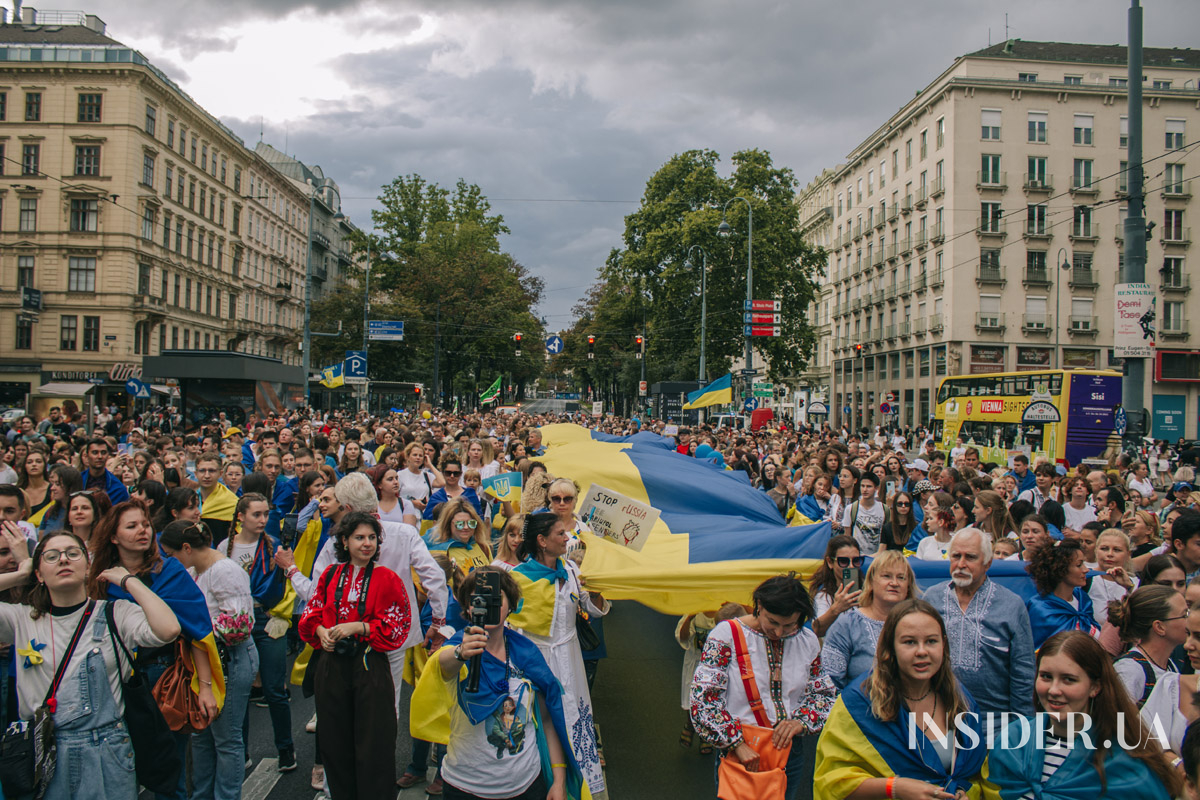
{"type": "Point", "coordinates": [618, 518]}
{"type": "Point", "coordinates": [1133, 336]}
{"type": "Point", "coordinates": [670, 430]}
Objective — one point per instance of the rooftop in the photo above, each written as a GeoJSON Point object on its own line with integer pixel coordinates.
{"type": "Point", "coordinates": [1108, 54]}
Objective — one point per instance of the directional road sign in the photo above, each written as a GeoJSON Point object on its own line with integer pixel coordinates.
{"type": "Point", "coordinates": [137, 389]}
{"type": "Point", "coordinates": [764, 389]}
{"type": "Point", "coordinates": [762, 305]}
{"type": "Point", "coordinates": [1120, 422]}
{"type": "Point", "coordinates": [382, 330]}
{"type": "Point", "coordinates": [750, 404]}
{"type": "Point", "coordinates": [554, 345]}
{"type": "Point", "coordinates": [760, 318]}
{"type": "Point", "coordinates": [761, 330]}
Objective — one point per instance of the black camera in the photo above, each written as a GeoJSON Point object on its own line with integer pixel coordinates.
{"type": "Point", "coordinates": [485, 600]}
{"type": "Point", "coordinates": [346, 647]}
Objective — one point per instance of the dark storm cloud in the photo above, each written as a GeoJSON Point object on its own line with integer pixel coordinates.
{"type": "Point", "coordinates": [556, 100]}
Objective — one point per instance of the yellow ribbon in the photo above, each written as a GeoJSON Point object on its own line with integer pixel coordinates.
{"type": "Point", "coordinates": [31, 653]}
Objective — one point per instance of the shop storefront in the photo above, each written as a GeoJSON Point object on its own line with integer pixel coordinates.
{"type": "Point", "coordinates": [212, 382]}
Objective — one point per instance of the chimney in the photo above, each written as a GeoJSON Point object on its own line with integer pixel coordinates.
{"type": "Point", "coordinates": [29, 15]}
{"type": "Point", "coordinates": [94, 23]}
{"type": "Point", "coordinates": [16, 12]}
{"type": "Point", "coordinates": [3, 16]}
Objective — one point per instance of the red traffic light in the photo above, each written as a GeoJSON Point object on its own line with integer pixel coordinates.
{"type": "Point", "coordinates": [640, 340]}
{"type": "Point", "coordinates": [591, 340]}
{"type": "Point", "coordinates": [858, 349]}
{"type": "Point", "coordinates": [516, 337]}
{"type": "Point", "coordinates": [417, 389]}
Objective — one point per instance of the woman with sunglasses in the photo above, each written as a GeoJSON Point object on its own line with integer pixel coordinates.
{"type": "Point", "coordinates": [831, 596]}
{"type": "Point", "coordinates": [94, 759]}
{"type": "Point", "coordinates": [461, 534]}
{"type": "Point", "coordinates": [900, 523]}
{"type": "Point", "coordinates": [218, 752]}
{"type": "Point", "coordinates": [64, 482]}
{"type": "Point", "coordinates": [452, 471]}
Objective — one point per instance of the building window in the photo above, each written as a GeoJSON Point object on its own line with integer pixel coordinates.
{"type": "Point", "coordinates": [191, 240]}
{"type": "Point", "coordinates": [3, 106]}
{"type": "Point", "coordinates": [1082, 223]}
{"type": "Point", "coordinates": [989, 172]}
{"type": "Point", "coordinates": [1162, 84]}
{"type": "Point", "coordinates": [27, 222]}
{"type": "Point", "coordinates": [1082, 176]}
{"type": "Point", "coordinates": [924, 144]}
{"type": "Point", "coordinates": [171, 133]}
{"type": "Point", "coordinates": [941, 140]}
{"type": "Point", "coordinates": [990, 214]}
{"type": "Point", "coordinates": [84, 216]}
{"type": "Point", "coordinates": [222, 169]}
{"type": "Point", "coordinates": [81, 274]}
{"type": "Point", "coordinates": [204, 157]}
{"type": "Point", "coordinates": [1173, 316]}
{"type": "Point", "coordinates": [1172, 272]}
{"type": "Point", "coordinates": [187, 294]}
{"type": "Point", "coordinates": [143, 279]}
{"type": "Point", "coordinates": [178, 283]}
{"type": "Point", "coordinates": [33, 106]}
{"type": "Point", "coordinates": [24, 334]}
{"type": "Point", "coordinates": [148, 220]}
{"type": "Point", "coordinates": [195, 143]}
{"type": "Point", "coordinates": [1175, 133]}
{"type": "Point", "coordinates": [30, 157]}
{"type": "Point", "coordinates": [1119, 83]}
{"type": "Point", "coordinates": [1083, 128]}
{"type": "Point", "coordinates": [178, 238]}
{"type": "Point", "coordinates": [1124, 140]}
{"type": "Point", "coordinates": [2, 159]}
{"type": "Point", "coordinates": [1073, 80]}
{"type": "Point", "coordinates": [89, 108]}
{"type": "Point", "coordinates": [212, 241]}
{"type": "Point", "coordinates": [187, 339]}
{"type": "Point", "coordinates": [91, 334]}
{"type": "Point", "coordinates": [192, 194]}
{"type": "Point", "coordinates": [148, 170]}
{"type": "Point", "coordinates": [151, 116]}
{"type": "Point", "coordinates": [182, 139]}
{"type": "Point", "coordinates": [25, 271]}
{"type": "Point", "coordinates": [87, 159]}
{"type": "Point", "coordinates": [68, 332]}
{"type": "Point", "coordinates": [1035, 219]}
{"type": "Point", "coordinates": [1173, 225]}
{"type": "Point", "coordinates": [908, 154]}
{"type": "Point", "coordinates": [163, 288]}
{"type": "Point", "coordinates": [232, 305]}
{"type": "Point", "coordinates": [1027, 77]}
{"type": "Point", "coordinates": [174, 338]}
{"type": "Point", "coordinates": [140, 333]}
{"type": "Point", "coordinates": [162, 338]}
{"type": "Point", "coordinates": [203, 199]}
{"type": "Point", "coordinates": [168, 179]}
{"type": "Point", "coordinates": [1173, 179]}
{"type": "Point", "coordinates": [1037, 126]}
{"type": "Point", "coordinates": [237, 179]}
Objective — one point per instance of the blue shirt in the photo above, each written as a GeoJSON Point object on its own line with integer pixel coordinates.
{"type": "Point", "coordinates": [849, 648]}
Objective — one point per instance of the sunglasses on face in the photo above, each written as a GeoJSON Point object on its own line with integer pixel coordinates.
{"type": "Point", "coordinates": [850, 561]}
{"type": "Point", "coordinates": [70, 554]}
{"type": "Point", "coordinates": [902, 504]}
{"type": "Point", "coordinates": [562, 499]}
{"type": "Point", "coordinates": [464, 524]}
{"type": "Point", "coordinates": [450, 473]}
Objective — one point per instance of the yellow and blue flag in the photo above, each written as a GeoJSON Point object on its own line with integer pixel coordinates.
{"type": "Point", "coordinates": [717, 537]}
{"type": "Point", "coordinates": [504, 487]}
{"type": "Point", "coordinates": [716, 393]}
{"type": "Point", "coordinates": [333, 377]}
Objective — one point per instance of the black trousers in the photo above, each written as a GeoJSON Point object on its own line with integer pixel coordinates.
{"type": "Point", "coordinates": [358, 729]}
{"type": "Point", "coordinates": [536, 791]}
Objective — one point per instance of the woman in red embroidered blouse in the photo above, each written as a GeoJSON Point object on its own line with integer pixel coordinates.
{"type": "Point", "coordinates": [358, 612]}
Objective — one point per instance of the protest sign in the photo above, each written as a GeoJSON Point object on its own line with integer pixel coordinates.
{"type": "Point", "coordinates": [618, 518]}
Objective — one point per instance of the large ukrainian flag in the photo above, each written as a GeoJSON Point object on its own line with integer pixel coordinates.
{"type": "Point", "coordinates": [716, 393]}
{"type": "Point", "coordinates": [717, 537]}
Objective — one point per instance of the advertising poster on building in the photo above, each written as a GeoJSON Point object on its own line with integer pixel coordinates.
{"type": "Point", "coordinates": [1135, 320]}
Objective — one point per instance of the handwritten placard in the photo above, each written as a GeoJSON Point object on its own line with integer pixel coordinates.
{"type": "Point", "coordinates": [618, 518]}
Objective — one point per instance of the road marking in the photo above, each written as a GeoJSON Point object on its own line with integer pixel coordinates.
{"type": "Point", "coordinates": [262, 780]}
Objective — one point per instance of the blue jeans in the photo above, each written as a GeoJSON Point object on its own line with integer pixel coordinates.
{"type": "Point", "coordinates": [420, 757]}
{"type": "Point", "coordinates": [218, 752]}
{"type": "Point", "coordinates": [272, 666]}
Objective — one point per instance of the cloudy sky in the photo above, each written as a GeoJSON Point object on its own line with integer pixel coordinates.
{"type": "Point", "coordinates": [561, 109]}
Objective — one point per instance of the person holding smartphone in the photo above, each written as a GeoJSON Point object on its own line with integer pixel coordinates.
{"type": "Point", "coordinates": [832, 594]}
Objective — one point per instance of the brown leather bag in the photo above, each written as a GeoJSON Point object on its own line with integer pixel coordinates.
{"type": "Point", "coordinates": [173, 693]}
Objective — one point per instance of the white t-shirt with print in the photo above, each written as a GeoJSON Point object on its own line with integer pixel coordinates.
{"type": "Point", "coordinates": [868, 525]}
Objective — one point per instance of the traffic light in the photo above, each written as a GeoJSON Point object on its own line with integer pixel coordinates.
{"type": "Point", "coordinates": [640, 340]}
{"type": "Point", "coordinates": [417, 391]}
{"type": "Point", "coordinates": [591, 346]}
{"type": "Point", "coordinates": [517, 339]}
{"type": "Point", "coordinates": [858, 351]}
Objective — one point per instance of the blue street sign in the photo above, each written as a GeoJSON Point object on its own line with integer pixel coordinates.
{"type": "Point", "coordinates": [750, 404]}
{"type": "Point", "coordinates": [1120, 422]}
{"type": "Point", "coordinates": [356, 364]}
{"type": "Point", "coordinates": [137, 389]}
{"type": "Point", "coordinates": [846, 410]}
{"type": "Point", "coordinates": [382, 330]}
{"type": "Point", "coordinates": [554, 345]}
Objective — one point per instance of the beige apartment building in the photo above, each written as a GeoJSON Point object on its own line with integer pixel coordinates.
{"type": "Point", "coordinates": [144, 223]}
{"type": "Point", "coordinates": [951, 223]}
{"type": "Point", "coordinates": [816, 225]}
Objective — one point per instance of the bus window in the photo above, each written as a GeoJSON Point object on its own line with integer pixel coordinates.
{"type": "Point", "coordinates": [1032, 434]}
{"type": "Point", "coordinates": [942, 396]}
{"type": "Point", "coordinates": [1008, 434]}
{"type": "Point", "coordinates": [1056, 383]}
{"type": "Point", "coordinates": [937, 429]}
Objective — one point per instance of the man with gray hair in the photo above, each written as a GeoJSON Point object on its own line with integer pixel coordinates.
{"type": "Point", "coordinates": [990, 642]}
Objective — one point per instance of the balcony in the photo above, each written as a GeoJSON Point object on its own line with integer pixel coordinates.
{"type": "Point", "coordinates": [936, 279]}
{"type": "Point", "coordinates": [889, 332]}
{"type": "Point", "coordinates": [1178, 330]}
{"type": "Point", "coordinates": [1119, 232]}
{"type": "Point", "coordinates": [905, 329]}
{"type": "Point", "coordinates": [919, 325]}
{"type": "Point", "coordinates": [1036, 323]}
{"type": "Point", "coordinates": [990, 227]}
{"type": "Point", "coordinates": [877, 298]}
{"type": "Point", "coordinates": [922, 198]}
{"type": "Point", "coordinates": [989, 321]}
{"type": "Point", "coordinates": [1175, 284]}
{"type": "Point", "coordinates": [889, 292]}
{"type": "Point", "coordinates": [319, 273]}
{"type": "Point", "coordinates": [905, 246]}
{"type": "Point", "coordinates": [893, 213]}
{"type": "Point", "coordinates": [1036, 229]}
{"type": "Point", "coordinates": [857, 230]}
{"type": "Point", "coordinates": [907, 205]}
{"type": "Point", "coordinates": [891, 252]}
{"type": "Point", "coordinates": [1177, 235]}
{"type": "Point", "coordinates": [1036, 276]}
{"type": "Point", "coordinates": [858, 262]}
{"type": "Point", "coordinates": [856, 304]}
{"type": "Point", "coordinates": [1082, 278]}
{"type": "Point", "coordinates": [1084, 232]}
{"type": "Point", "coordinates": [1177, 190]}
{"type": "Point", "coordinates": [990, 274]}
{"type": "Point", "coordinates": [1038, 183]}
{"type": "Point", "coordinates": [939, 233]}
{"type": "Point", "coordinates": [905, 286]}
{"type": "Point", "coordinates": [935, 323]}
{"type": "Point", "coordinates": [1083, 184]}
{"type": "Point", "coordinates": [919, 282]}
{"type": "Point", "coordinates": [991, 181]}
{"type": "Point", "coordinates": [938, 187]}
{"type": "Point", "coordinates": [877, 258]}
{"type": "Point", "coordinates": [922, 240]}
{"type": "Point", "coordinates": [1082, 325]}
{"type": "Point", "coordinates": [879, 223]}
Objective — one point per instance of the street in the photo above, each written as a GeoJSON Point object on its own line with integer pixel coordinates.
{"type": "Point", "coordinates": [637, 706]}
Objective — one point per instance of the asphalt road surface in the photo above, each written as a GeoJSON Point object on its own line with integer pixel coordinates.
{"type": "Point", "coordinates": [637, 708]}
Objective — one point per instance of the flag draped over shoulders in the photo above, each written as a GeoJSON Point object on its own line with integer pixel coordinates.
{"type": "Point", "coordinates": [539, 592]}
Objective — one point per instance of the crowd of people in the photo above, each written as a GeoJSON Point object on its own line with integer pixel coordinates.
{"type": "Point", "coordinates": [347, 555]}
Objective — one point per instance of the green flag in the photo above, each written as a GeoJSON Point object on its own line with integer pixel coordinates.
{"type": "Point", "coordinates": [491, 394]}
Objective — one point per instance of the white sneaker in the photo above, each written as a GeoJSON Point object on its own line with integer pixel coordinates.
{"type": "Point", "coordinates": [311, 725]}
{"type": "Point", "coordinates": [318, 779]}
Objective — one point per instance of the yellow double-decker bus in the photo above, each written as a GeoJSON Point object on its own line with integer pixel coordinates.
{"type": "Point", "coordinates": [1066, 415]}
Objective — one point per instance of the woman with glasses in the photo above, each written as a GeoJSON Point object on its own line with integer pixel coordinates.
{"type": "Point", "coordinates": [831, 596]}
{"type": "Point", "coordinates": [461, 534]}
{"type": "Point", "coordinates": [64, 482]}
{"type": "Point", "coordinates": [1154, 620]}
{"type": "Point", "coordinates": [85, 509]}
{"type": "Point", "coordinates": [452, 471]}
{"type": "Point", "coordinates": [900, 523]}
{"type": "Point", "coordinates": [94, 759]}
{"type": "Point", "coordinates": [561, 497]}
{"type": "Point", "coordinates": [218, 752]}
{"type": "Point", "coordinates": [232, 475]}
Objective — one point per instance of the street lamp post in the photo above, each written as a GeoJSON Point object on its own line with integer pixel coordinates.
{"type": "Point", "coordinates": [367, 320]}
{"type": "Point", "coordinates": [687, 264]}
{"type": "Point", "coordinates": [1066, 265]}
{"type": "Point", "coordinates": [724, 229]}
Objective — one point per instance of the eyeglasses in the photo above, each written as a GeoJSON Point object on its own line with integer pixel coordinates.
{"type": "Point", "coordinates": [70, 554]}
{"type": "Point", "coordinates": [464, 524]}
{"type": "Point", "coordinates": [1184, 615]}
{"type": "Point", "coordinates": [562, 499]}
{"type": "Point", "coordinates": [903, 505]}
{"type": "Point", "coordinates": [850, 561]}
{"type": "Point", "coordinates": [450, 473]}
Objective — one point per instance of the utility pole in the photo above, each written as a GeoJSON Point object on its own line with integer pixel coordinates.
{"type": "Point", "coordinates": [1134, 370]}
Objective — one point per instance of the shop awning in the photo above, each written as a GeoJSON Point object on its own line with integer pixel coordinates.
{"type": "Point", "coordinates": [169, 391]}
{"type": "Point", "coordinates": [65, 389]}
